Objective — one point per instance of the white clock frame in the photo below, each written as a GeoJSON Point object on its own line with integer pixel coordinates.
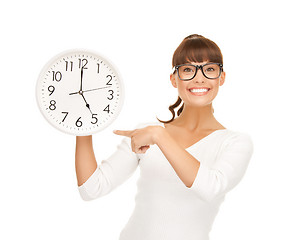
{"type": "Point", "coordinates": [50, 78]}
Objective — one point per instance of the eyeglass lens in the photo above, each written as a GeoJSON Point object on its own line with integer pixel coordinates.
{"type": "Point", "coordinates": [187, 72]}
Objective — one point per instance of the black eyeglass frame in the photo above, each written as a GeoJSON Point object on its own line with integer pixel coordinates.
{"type": "Point", "coordinates": [198, 67]}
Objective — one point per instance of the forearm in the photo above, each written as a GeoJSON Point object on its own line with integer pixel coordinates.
{"type": "Point", "coordinates": [184, 164]}
{"type": "Point", "coordinates": [85, 161]}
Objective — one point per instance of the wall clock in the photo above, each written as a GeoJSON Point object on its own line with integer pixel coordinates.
{"type": "Point", "coordinates": [79, 92]}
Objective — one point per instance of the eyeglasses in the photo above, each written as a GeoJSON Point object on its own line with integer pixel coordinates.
{"type": "Point", "coordinates": [187, 72]}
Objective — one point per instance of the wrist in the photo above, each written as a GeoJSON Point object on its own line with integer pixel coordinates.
{"type": "Point", "coordinates": [158, 134]}
{"type": "Point", "coordinates": [84, 138]}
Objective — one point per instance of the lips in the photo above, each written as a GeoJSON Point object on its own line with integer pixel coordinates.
{"type": "Point", "coordinates": [202, 88]}
{"type": "Point", "coordinates": [199, 91]}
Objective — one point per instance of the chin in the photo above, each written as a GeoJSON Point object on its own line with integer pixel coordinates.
{"type": "Point", "coordinates": [198, 104]}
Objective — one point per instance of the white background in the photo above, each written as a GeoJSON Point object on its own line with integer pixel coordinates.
{"type": "Point", "coordinates": [39, 196]}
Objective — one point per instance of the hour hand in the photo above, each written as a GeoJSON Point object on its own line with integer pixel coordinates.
{"type": "Point", "coordinates": [87, 105]}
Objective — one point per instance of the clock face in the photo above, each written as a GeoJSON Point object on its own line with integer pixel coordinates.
{"type": "Point", "coordinates": [79, 92]}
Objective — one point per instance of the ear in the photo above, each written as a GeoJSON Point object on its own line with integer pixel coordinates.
{"type": "Point", "coordinates": [173, 80]}
{"type": "Point", "coordinates": [222, 78]}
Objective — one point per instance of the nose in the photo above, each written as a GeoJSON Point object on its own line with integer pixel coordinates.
{"type": "Point", "coordinates": [199, 76]}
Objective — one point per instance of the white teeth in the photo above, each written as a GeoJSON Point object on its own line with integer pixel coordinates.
{"type": "Point", "coordinates": [199, 90]}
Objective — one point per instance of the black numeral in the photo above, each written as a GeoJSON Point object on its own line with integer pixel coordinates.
{"type": "Point", "coordinates": [109, 76]}
{"type": "Point", "coordinates": [65, 116]}
{"type": "Point", "coordinates": [52, 105]}
{"type": "Point", "coordinates": [98, 69]}
{"type": "Point", "coordinates": [111, 94]}
{"type": "Point", "coordinates": [107, 108]}
{"type": "Point", "coordinates": [69, 65]}
{"type": "Point", "coordinates": [57, 76]}
{"type": "Point", "coordinates": [82, 63]}
{"type": "Point", "coordinates": [51, 89]}
{"type": "Point", "coordinates": [78, 123]}
{"type": "Point", "coordinates": [94, 117]}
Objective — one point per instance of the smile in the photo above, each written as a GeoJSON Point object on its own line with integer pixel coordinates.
{"type": "Point", "coordinates": [199, 91]}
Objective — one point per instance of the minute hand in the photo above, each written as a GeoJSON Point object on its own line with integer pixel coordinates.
{"type": "Point", "coordinates": [81, 78]}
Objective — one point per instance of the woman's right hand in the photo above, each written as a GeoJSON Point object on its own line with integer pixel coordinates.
{"type": "Point", "coordinates": [85, 161]}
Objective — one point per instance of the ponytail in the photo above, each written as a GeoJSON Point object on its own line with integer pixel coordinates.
{"type": "Point", "coordinates": [171, 109]}
{"type": "Point", "coordinates": [175, 105]}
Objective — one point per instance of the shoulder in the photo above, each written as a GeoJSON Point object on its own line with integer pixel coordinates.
{"type": "Point", "coordinates": [239, 136]}
{"type": "Point", "coordinates": [238, 139]}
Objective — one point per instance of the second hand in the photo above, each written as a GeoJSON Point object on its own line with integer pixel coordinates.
{"type": "Point", "coordinates": [87, 90]}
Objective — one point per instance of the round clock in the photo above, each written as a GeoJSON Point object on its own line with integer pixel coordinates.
{"type": "Point", "coordinates": [79, 92]}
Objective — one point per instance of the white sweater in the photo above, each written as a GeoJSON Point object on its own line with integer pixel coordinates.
{"type": "Point", "coordinates": [165, 208]}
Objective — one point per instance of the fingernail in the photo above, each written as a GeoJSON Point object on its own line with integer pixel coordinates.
{"type": "Point", "coordinates": [114, 131]}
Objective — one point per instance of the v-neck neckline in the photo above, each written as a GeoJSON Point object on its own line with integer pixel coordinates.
{"type": "Point", "coordinates": [202, 139]}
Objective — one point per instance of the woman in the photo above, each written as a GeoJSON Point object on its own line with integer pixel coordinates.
{"type": "Point", "coordinates": [187, 164]}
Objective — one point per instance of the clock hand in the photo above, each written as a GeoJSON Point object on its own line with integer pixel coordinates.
{"type": "Point", "coordinates": [95, 89]}
{"type": "Point", "coordinates": [88, 90]}
{"type": "Point", "coordinates": [73, 93]}
{"type": "Point", "coordinates": [81, 78]}
{"type": "Point", "coordinates": [87, 105]}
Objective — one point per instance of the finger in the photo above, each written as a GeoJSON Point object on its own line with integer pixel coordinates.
{"type": "Point", "coordinates": [123, 133]}
{"type": "Point", "coordinates": [133, 146]}
{"type": "Point", "coordinates": [143, 149]}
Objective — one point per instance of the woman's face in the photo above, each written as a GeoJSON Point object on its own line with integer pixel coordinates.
{"type": "Point", "coordinates": [191, 98]}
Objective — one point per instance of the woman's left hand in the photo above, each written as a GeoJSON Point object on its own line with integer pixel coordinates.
{"type": "Point", "coordinates": [142, 138]}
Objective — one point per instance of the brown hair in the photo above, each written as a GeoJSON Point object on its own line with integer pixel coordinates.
{"type": "Point", "coordinates": [194, 48]}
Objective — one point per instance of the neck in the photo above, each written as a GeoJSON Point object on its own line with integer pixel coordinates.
{"type": "Point", "coordinates": [195, 118]}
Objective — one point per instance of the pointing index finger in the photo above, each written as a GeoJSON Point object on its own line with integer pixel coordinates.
{"type": "Point", "coordinates": [123, 133]}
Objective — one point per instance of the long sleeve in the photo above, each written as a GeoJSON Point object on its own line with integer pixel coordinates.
{"type": "Point", "coordinates": [227, 171]}
{"type": "Point", "coordinates": [111, 172]}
